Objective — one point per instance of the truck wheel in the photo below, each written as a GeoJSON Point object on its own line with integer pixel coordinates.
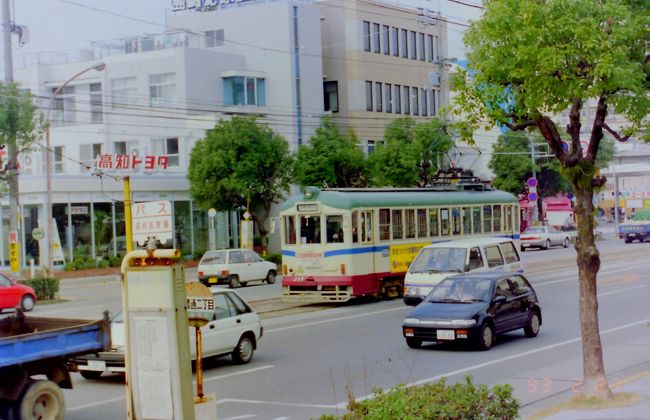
{"type": "Point", "coordinates": [27, 303]}
{"type": "Point", "coordinates": [243, 353]}
{"type": "Point", "coordinates": [90, 374]}
{"type": "Point", "coordinates": [41, 400]}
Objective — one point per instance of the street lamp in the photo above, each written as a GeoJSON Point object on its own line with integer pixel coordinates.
{"type": "Point", "coordinates": [48, 162]}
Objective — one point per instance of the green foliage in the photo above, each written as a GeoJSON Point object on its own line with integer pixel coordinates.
{"type": "Point", "coordinates": [330, 159]}
{"type": "Point", "coordinates": [115, 261]}
{"type": "Point", "coordinates": [240, 159]}
{"type": "Point", "coordinates": [274, 258]}
{"type": "Point", "coordinates": [438, 401]}
{"type": "Point", "coordinates": [103, 263]}
{"type": "Point", "coordinates": [46, 288]}
{"type": "Point", "coordinates": [411, 153]}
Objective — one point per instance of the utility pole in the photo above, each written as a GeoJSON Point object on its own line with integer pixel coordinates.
{"type": "Point", "coordinates": [15, 216]}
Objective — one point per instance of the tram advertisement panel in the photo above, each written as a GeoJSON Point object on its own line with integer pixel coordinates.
{"type": "Point", "coordinates": [401, 256]}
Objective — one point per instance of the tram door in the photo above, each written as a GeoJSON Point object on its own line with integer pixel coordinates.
{"type": "Point", "coordinates": [363, 234]}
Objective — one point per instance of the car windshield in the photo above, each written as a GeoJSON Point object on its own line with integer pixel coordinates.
{"type": "Point", "coordinates": [438, 260]}
{"type": "Point", "coordinates": [534, 230]}
{"type": "Point", "coordinates": [214, 257]}
{"type": "Point", "coordinates": [460, 290]}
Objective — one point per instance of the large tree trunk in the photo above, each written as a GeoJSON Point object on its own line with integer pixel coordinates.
{"type": "Point", "coordinates": [588, 260]}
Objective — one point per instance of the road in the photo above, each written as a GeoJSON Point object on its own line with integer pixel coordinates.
{"type": "Point", "coordinates": [310, 363]}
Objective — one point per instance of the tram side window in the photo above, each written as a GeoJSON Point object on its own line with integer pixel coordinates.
{"type": "Point", "coordinates": [355, 231]}
{"type": "Point", "coordinates": [334, 226]}
{"type": "Point", "coordinates": [496, 217]}
{"type": "Point", "coordinates": [366, 226]}
{"type": "Point", "coordinates": [455, 217]}
{"type": "Point", "coordinates": [467, 220]}
{"type": "Point", "coordinates": [444, 222]}
{"type": "Point", "coordinates": [289, 230]}
{"type": "Point", "coordinates": [434, 225]}
{"type": "Point", "coordinates": [422, 223]}
{"type": "Point", "coordinates": [310, 229]}
{"type": "Point", "coordinates": [410, 223]}
{"type": "Point", "coordinates": [476, 220]}
{"type": "Point", "coordinates": [508, 218]}
{"type": "Point", "coordinates": [398, 226]}
{"type": "Point", "coordinates": [487, 218]}
{"type": "Point", "coordinates": [384, 224]}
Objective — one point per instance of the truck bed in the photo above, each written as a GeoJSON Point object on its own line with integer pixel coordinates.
{"type": "Point", "coordinates": [27, 339]}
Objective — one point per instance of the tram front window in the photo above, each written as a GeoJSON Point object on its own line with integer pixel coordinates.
{"type": "Point", "coordinates": [310, 229]}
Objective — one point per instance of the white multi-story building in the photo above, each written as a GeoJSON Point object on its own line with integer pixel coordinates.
{"type": "Point", "coordinates": [277, 60]}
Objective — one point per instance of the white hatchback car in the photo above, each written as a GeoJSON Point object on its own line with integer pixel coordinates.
{"type": "Point", "coordinates": [235, 267]}
{"type": "Point", "coordinates": [235, 330]}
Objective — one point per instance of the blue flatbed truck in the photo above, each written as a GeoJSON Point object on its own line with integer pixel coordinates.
{"type": "Point", "coordinates": [32, 348]}
{"type": "Point", "coordinates": [638, 229]}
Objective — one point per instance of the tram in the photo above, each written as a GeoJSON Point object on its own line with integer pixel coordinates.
{"type": "Point", "coordinates": [338, 244]}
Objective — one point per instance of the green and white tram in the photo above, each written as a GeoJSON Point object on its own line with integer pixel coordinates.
{"type": "Point", "coordinates": [343, 243]}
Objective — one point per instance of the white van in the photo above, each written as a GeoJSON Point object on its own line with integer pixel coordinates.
{"type": "Point", "coordinates": [443, 259]}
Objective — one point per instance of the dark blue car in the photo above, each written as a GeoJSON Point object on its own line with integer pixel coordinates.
{"type": "Point", "coordinates": [474, 308]}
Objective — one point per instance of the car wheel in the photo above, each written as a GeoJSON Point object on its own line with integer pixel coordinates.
{"type": "Point", "coordinates": [523, 249]}
{"type": "Point", "coordinates": [532, 328]}
{"type": "Point", "coordinates": [547, 245]}
{"type": "Point", "coordinates": [566, 243]}
{"type": "Point", "coordinates": [41, 400]}
{"type": "Point", "coordinates": [414, 343]}
{"type": "Point", "coordinates": [27, 303]}
{"type": "Point", "coordinates": [270, 278]}
{"type": "Point", "coordinates": [234, 282]}
{"type": "Point", "coordinates": [90, 374]}
{"type": "Point", "coordinates": [243, 353]}
{"type": "Point", "coordinates": [486, 338]}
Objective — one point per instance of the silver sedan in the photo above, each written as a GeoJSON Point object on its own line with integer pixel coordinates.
{"type": "Point", "coordinates": [543, 237]}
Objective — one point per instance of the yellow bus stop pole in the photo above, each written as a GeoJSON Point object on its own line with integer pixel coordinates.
{"type": "Point", "coordinates": [127, 214]}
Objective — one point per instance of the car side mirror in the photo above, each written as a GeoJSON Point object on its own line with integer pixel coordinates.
{"type": "Point", "coordinates": [499, 300]}
{"type": "Point", "coordinates": [466, 268]}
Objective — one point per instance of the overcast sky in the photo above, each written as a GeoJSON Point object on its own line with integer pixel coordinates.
{"type": "Point", "coordinates": [65, 26]}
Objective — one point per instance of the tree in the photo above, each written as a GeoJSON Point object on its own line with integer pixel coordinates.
{"type": "Point", "coordinates": [411, 153]}
{"type": "Point", "coordinates": [330, 158]}
{"type": "Point", "coordinates": [237, 160]}
{"type": "Point", "coordinates": [532, 59]}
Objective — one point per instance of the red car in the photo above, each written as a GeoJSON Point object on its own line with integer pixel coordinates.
{"type": "Point", "coordinates": [14, 295]}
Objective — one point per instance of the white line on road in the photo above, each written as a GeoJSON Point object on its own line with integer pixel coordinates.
{"type": "Point", "coordinates": [235, 400]}
{"type": "Point", "coordinates": [241, 372]}
{"type": "Point", "coordinates": [325, 321]}
{"type": "Point", "coordinates": [95, 404]}
{"type": "Point", "coordinates": [504, 359]}
{"type": "Point", "coordinates": [620, 290]}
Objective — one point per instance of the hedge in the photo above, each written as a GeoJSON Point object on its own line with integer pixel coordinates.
{"type": "Point", "coordinates": [46, 288]}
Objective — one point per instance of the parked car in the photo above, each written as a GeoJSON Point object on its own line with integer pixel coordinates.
{"type": "Point", "coordinates": [474, 308]}
{"type": "Point", "coordinates": [235, 330]}
{"type": "Point", "coordinates": [543, 237]}
{"type": "Point", "coordinates": [14, 294]}
{"type": "Point", "coordinates": [235, 267]}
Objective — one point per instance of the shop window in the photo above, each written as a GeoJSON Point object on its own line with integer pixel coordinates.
{"type": "Point", "coordinates": [331, 93]}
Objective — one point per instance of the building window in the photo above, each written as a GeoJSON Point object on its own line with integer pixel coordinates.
{"type": "Point", "coordinates": [368, 96]}
{"type": "Point", "coordinates": [240, 90]}
{"type": "Point", "coordinates": [412, 49]}
{"type": "Point", "coordinates": [385, 35]}
{"type": "Point", "coordinates": [376, 36]}
{"type": "Point", "coordinates": [214, 38]}
{"type": "Point", "coordinates": [434, 98]}
{"type": "Point", "coordinates": [436, 50]}
{"type": "Point", "coordinates": [96, 111]}
{"type": "Point", "coordinates": [414, 106]}
{"type": "Point", "coordinates": [124, 91]}
{"type": "Point", "coordinates": [430, 48]}
{"type": "Point", "coordinates": [63, 109]}
{"type": "Point", "coordinates": [407, 99]}
{"type": "Point", "coordinates": [378, 97]}
{"type": "Point", "coordinates": [126, 148]}
{"type": "Point", "coordinates": [421, 46]}
{"type": "Point", "coordinates": [424, 95]}
{"type": "Point", "coordinates": [366, 36]}
{"type": "Point", "coordinates": [59, 166]}
{"type": "Point", "coordinates": [370, 148]}
{"type": "Point", "coordinates": [166, 147]}
{"type": "Point", "coordinates": [398, 99]}
{"type": "Point", "coordinates": [395, 42]}
{"type": "Point", "coordinates": [405, 44]}
{"type": "Point", "coordinates": [331, 92]}
{"type": "Point", "coordinates": [162, 89]}
{"type": "Point", "coordinates": [88, 153]}
{"type": "Point", "coordinates": [388, 89]}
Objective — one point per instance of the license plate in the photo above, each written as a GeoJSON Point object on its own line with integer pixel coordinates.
{"type": "Point", "coordinates": [212, 280]}
{"type": "Point", "coordinates": [97, 364]}
{"type": "Point", "coordinates": [445, 334]}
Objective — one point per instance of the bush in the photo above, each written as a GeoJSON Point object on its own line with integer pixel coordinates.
{"type": "Point", "coordinates": [46, 288]}
{"type": "Point", "coordinates": [115, 261]}
{"type": "Point", "coordinates": [274, 258]}
{"type": "Point", "coordinates": [438, 401]}
{"type": "Point", "coordinates": [102, 264]}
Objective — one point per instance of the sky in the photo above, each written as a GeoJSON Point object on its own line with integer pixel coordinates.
{"type": "Point", "coordinates": [60, 27]}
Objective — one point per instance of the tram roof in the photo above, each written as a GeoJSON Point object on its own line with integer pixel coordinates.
{"type": "Point", "coordinates": [348, 198]}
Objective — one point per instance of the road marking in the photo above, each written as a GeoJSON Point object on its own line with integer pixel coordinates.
{"type": "Point", "coordinates": [325, 321]}
{"type": "Point", "coordinates": [242, 372]}
{"type": "Point", "coordinates": [604, 281]}
{"type": "Point", "coordinates": [96, 404]}
{"type": "Point", "coordinates": [620, 290]}
{"type": "Point", "coordinates": [502, 359]}
{"type": "Point", "coordinates": [247, 416]}
{"type": "Point", "coordinates": [288, 404]}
